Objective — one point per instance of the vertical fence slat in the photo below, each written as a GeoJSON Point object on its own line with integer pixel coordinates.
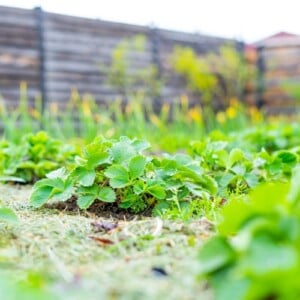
{"type": "Point", "coordinates": [260, 78]}
{"type": "Point", "coordinates": [41, 47]}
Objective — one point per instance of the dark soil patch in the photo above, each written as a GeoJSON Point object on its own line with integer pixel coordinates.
{"type": "Point", "coordinates": [99, 209]}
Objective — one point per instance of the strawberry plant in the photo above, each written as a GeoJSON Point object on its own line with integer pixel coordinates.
{"type": "Point", "coordinates": [238, 169]}
{"type": "Point", "coordinates": [118, 171]}
{"type": "Point", "coordinates": [33, 158]}
{"type": "Point", "coordinates": [256, 253]}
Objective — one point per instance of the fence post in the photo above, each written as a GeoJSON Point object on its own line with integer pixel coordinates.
{"type": "Point", "coordinates": [260, 77]}
{"type": "Point", "coordinates": [41, 49]}
{"type": "Point", "coordinates": [154, 35]}
{"type": "Point", "coordinates": [240, 48]}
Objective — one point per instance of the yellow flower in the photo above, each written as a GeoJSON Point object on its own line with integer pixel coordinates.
{"type": "Point", "coordinates": [156, 121]}
{"type": "Point", "coordinates": [23, 87]}
{"type": "Point", "coordinates": [184, 102]}
{"type": "Point", "coordinates": [221, 117]}
{"type": "Point", "coordinates": [35, 113]}
{"type": "Point", "coordinates": [231, 112]}
{"type": "Point", "coordinates": [195, 114]}
{"type": "Point", "coordinates": [86, 108]}
{"type": "Point", "coordinates": [165, 109]}
{"type": "Point", "coordinates": [255, 114]}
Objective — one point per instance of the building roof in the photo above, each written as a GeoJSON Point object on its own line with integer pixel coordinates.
{"type": "Point", "coordinates": [279, 39]}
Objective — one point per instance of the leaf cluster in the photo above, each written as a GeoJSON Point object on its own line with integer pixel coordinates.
{"type": "Point", "coordinates": [119, 171]}
{"type": "Point", "coordinates": [256, 253]}
{"type": "Point", "coordinates": [32, 158]}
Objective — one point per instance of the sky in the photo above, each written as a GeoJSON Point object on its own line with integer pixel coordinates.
{"type": "Point", "coordinates": [248, 21]}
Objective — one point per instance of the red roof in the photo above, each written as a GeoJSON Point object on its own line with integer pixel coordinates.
{"type": "Point", "coordinates": [279, 39]}
{"type": "Point", "coordinates": [282, 34]}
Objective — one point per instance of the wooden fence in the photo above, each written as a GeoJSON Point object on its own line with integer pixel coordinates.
{"type": "Point", "coordinates": [279, 64]}
{"type": "Point", "coordinates": [54, 53]}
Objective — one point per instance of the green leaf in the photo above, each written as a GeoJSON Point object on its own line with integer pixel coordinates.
{"type": "Point", "coordinates": [294, 194]}
{"type": "Point", "coordinates": [85, 201]}
{"type": "Point", "coordinates": [235, 156]}
{"type": "Point", "coordinates": [118, 175]}
{"type": "Point", "coordinates": [96, 155]}
{"type": "Point", "coordinates": [239, 169]}
{"type": "Point", "coordinates": [227, 285]}
{"type": "Point", "coordinates": [137, 166]}
{"type": "Point", "coordinates": [40, 195]}
{"type": "Point", "coordinates": [140, 145]}
{"type": "Point", "coordinates": [287, 157]}
{"type": "Point", "coordinates": [122, 151]}
{"type": "Point", "coordinates": [85, 177]}
{"type": "Point", "coordinates": [232, 216]}
{"type": "Point", "coordinates": [157, 191]}
{"type": "Point", "coordinates": [215, 254]}
{"type": "Point", "coordinates": [139, 187]}
{"type": "Point", "coordinates": [57, 183]}
{"type": "Point", "coordinates": [267, 256]}
{"type": "Point", "coordinates": [107, 194]}
{"type": "Point", "coordinates": [11, 178]}
{"type": "Point", "coordinates": [8, 215]}
{"type": "Point", "coordinates": [269, 197]}
{"type": "Point", "coordinates": [88, 190]}
{"type": "Point", "coordinates": [59, 173]}
{"type": "Point", "coordinates": [226, 179]}
{"type": "Point", "coordinates": [63, 195]}
{"type": "Point", "coordinates": [251, 179]}
{"type": "Point", "coordinates": [209, 184]}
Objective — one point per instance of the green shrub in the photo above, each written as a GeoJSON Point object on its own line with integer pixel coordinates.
{"type": "Point", "coordinates": [256, 253]}
{"type": "Point", "coordinates": [33, 158]}
{"type": "Point", "coordinates": [120, 172]}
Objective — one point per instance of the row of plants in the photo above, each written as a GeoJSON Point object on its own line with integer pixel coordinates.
{"type": "Point", "coordinates": [129, 173]}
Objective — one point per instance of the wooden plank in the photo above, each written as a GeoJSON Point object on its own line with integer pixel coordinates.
{"type": "Point", "coordinates": [80, 24]}
{"type": "Point", "coordinates": [87, 37]}
{"type": "Point", "coordinates": [135, 58]}
{"type": "Point", "coordinates": [18, 12]}
{"type": "Point", "coordinates": [15, 93]}
{"type": "Point", "coordinates": [19, 42]}
{"type": "Point", "coordinates": [75, 77]}
{"type": "Point", "coordinates": [83, 86]}
{"type": "Point", "coordinates": [26, 52]}
{"type": "Point", "coordinates": [18, 30]}
{"type": "Point", "coordinates": [28, 21]}
{"type": "Point", "coordinates": [179, 36]}
{"type": "Point", "coordinates": [18, 61]}
{"type": "Point", "coordinates": [10, 82]}
{"type": "Point", "coordinates": [55, 96]}
{"type": "Point", "coordinates": [92, 48]}
{"type": "Point", "coordinates": [78, 66]}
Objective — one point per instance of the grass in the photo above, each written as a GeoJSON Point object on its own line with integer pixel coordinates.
{"type": "Point", "coordinates": [169, 128]}
{"type": "Point", "coordinates": [77, 261]}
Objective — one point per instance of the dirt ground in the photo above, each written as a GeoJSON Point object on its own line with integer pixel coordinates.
{"type": "Point", "coordinates": [84, 256]}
